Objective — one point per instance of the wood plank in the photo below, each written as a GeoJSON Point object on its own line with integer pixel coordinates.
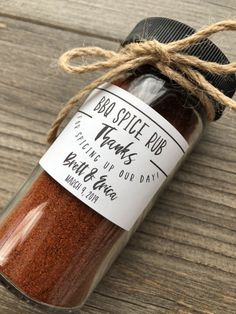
{"type": "Point", "coordinates": [106, 19]}
{"type": "Point", "coordinates": [182, 258]}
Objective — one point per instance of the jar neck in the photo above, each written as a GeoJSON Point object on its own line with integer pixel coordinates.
{"type": "Point", "coordinates": [178, 107]}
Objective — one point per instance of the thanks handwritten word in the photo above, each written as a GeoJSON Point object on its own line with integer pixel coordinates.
{"type": "Point", "coordinates": [119, 149]}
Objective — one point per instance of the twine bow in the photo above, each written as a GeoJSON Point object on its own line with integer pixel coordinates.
{"type": "Point", "coordinates": [169, 59]}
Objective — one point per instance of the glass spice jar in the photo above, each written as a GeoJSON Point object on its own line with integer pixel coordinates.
{"type": "Point", "coordinates": [54, 248]}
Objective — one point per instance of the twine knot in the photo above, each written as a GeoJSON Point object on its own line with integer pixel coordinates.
{"type": "Point", "coordinates": [169, 59]}
{"type": "Point", "coordinates": [156, 51]}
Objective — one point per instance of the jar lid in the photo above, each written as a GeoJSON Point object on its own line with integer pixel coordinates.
{"type": "Point", "coordinates": [166, 30]}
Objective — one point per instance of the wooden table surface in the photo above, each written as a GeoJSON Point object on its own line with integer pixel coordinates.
{"type": "Point", "coordinates": [182, 259]}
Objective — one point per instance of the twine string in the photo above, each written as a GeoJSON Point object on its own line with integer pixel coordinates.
{"type": "Point", "coordinates": [170, 59]}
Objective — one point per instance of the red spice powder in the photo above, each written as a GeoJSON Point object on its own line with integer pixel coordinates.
{"type": "Point", "coordinates": [56, 256]}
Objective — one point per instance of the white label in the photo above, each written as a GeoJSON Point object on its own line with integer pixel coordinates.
{"type": "Point", "coordinates": [115, 154]}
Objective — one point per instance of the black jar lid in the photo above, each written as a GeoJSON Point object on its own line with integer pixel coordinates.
{"type": "Point", "coordinates": [166, 30]}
